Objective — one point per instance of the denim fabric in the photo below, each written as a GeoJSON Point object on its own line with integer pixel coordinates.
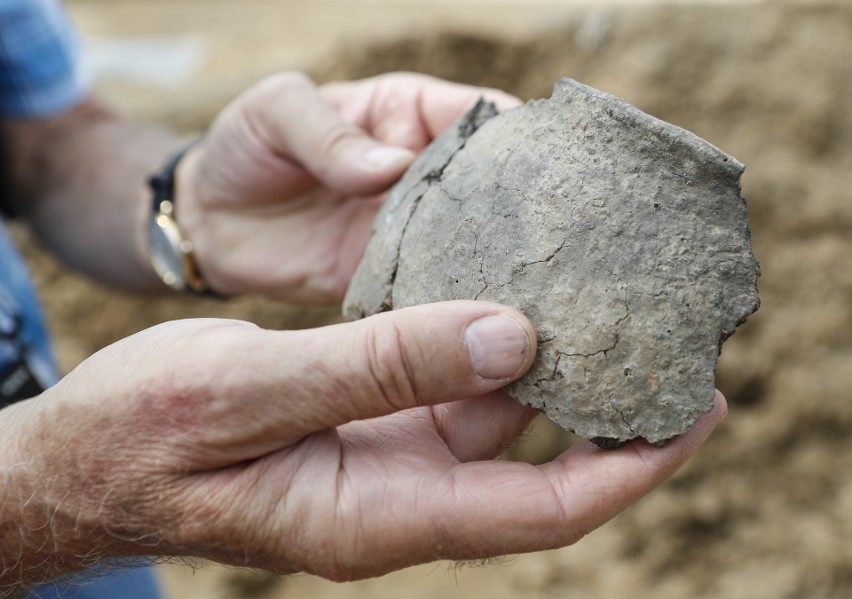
{"type": "Point", "coordinates": [19, 309]}
{"type": "Point", "coordinates": [138, 583]}
{"type": "Point", "coordinates": [41, 72]}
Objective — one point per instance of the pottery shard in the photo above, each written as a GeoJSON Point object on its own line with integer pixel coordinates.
{"type": "Point", "coordinates": [623, 238]}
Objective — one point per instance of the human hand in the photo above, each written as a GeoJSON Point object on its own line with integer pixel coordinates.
{"type": "Point", "coordinates": [346, 451]}
{"type": "Point", "coordinates": [280, 196]}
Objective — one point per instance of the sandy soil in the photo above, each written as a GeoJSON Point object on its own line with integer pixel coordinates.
{"type": "Point", "coordinates": [763, 510]}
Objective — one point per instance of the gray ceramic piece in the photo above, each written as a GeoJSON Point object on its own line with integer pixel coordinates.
{"type": "Point", "coordinates": [623, 238]}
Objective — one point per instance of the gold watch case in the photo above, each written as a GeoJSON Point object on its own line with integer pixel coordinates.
{"type": "Point", "coordinates": [172, 255]}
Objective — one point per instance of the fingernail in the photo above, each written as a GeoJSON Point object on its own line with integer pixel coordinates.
{"type": "Point", "coordinates": [498, 347]}
{"type": "Point", "coordinates": [386, 156]}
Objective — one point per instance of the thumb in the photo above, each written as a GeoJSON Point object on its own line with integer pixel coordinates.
{"type": "Point", "coordinates": [302, 382]}
{"type": "Point", "coordinates": [299, 123]}
{"type": "Point", "coordinates": [426, 355]}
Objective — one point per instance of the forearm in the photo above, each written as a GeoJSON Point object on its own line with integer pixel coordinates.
{"type": "Point", "coordinates": [28, 552]}
{"type": "Point", "coordinates": [50, 527]}
{"type": "Point", "coordinates": [80, 179]}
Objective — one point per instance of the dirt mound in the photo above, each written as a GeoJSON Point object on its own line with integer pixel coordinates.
{"type": "Point", "coordinates": [763, 510]}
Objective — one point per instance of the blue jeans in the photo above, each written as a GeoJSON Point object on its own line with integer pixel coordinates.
{"type": "Point", "coordinates": [138, 583]}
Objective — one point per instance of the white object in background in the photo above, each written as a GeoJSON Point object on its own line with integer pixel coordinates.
{"type": "Point", "coordinates": [163, 62]}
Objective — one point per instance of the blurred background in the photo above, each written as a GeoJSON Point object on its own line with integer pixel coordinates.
{"type": "Point", "coordinates": [765, 509]}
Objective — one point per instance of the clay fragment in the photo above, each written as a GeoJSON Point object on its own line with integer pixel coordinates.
{"type": "Point", "coordinates": [623, 238]}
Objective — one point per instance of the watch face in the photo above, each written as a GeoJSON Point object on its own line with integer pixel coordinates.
{"type": "Point", "coordinates": [165, 254]}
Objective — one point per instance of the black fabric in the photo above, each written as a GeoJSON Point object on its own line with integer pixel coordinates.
{"type": "Point", "coordinates": [5, 186]}
{"type": "Point", "coordinates": [18, 382]}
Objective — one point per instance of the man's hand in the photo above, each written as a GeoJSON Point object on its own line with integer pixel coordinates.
{"type": "Point", "coordinates": [347, 451]}
{"type": "Point", "coordinates": [280, 196]}
{"type": "Point", "coordinates": [277, 199]}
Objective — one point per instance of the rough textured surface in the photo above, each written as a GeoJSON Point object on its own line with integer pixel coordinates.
{"type": "Point", "coordinates": [623, 238]}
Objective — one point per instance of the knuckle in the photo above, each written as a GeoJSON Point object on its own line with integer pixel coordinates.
{"type": "Point", "coordinates": [403, 78]}
{"type": "Point", "coordinates": [392, 362]}
{"type": "Point", "coordinates": [285, 82]}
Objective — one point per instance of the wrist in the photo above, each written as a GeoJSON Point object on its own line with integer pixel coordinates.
{"type": "Point", "coordinates": [12, 500]}
{"type": "Point", "coordinates": [50, 524]}
{"type": "Point", "coordinates": [172, 250]}
{"type": "Point", "coordinates": [33, 541]}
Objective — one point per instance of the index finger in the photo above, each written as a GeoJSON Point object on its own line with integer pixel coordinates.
{"type": "Point", "coordinates": [557, 504]}
{"type": "Point", "coordinates": [442, 102]}
{"type": "Point", "coordinates": [398, 103]}
{"type": "Point", "coordinates": [479, 510]}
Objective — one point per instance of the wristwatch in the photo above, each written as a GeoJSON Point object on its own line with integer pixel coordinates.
{"type": "Point", "coordinates": [171, 253]}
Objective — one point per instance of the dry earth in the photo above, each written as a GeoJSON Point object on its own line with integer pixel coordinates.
{"type": "Point", "coordinates": [764, 509]}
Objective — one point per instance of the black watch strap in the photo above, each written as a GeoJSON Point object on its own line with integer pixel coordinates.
{"type": "Point", "coordinates": [163, 183]}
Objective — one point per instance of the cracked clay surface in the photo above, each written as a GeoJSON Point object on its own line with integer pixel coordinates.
{"type": "Point", "coordinates": [623, 238]}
